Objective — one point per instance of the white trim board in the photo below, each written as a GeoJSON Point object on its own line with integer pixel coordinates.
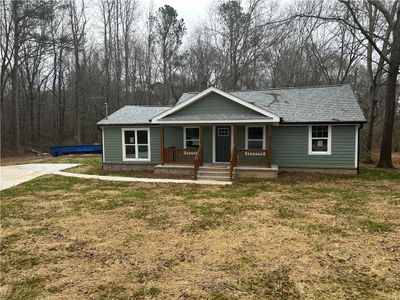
{"type": "Point", "coordinates": [103, 156]}
{"type": "Point", "coordinates": [274, 118]}
{"type": "Point", "coordinates": [246, 136]}
{"type": "Point", "coordinates": [356, 148]}
{"type": "Point", "coordinates": [329, 152]}
{"type": "Point", "coordinates": [219, 121]}
{"type": "Point", "coordinates": [184, 134]}
{"type": "Point", "coordinates": [124, 158]}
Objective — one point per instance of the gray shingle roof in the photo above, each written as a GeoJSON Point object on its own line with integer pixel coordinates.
{"type": "Point", "coordinates": [294, 105]}
{"type": "Point", "coordinates": [304, 104]}
{"type": "Point", "coordinates": [131, 114]}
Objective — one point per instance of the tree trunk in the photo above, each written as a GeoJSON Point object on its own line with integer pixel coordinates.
{"type": "Point", "coordinates": [31, 101]}
{"type": "Point", "coordinates": [373, 100]}
{"type": "Point", "coordinates": [14, 78]}
{"type": "Point", "coordinates": [60, 125]}
{"type": "Point", "coordinates": [385, 159]}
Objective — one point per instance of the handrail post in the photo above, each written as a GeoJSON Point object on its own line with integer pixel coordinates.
{"type": "Point", "coordinates": [201, 137]}
{"type": "Point", "coordinates": [233, 159]}
{"type": "Point", "coordinates": [198, 158]}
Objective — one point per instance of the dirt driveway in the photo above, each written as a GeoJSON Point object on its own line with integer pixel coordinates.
{"type": "Point", "coordinates": [16, 174]}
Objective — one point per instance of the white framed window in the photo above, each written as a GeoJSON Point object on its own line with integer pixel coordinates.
{"type": "Point", "coordinates": [223, 131]}
{"type": "Point", "coordinates": [191, 137]}
{"type": "Point", "coordinates": [319, 139]}
{"type": "Point", "coordinates": [255, 137]}
{"type": "Point", "coordinates": [136, 144]}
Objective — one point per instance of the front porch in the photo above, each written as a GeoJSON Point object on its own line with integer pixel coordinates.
{"type": "Point", "coordinates": [231, 158]}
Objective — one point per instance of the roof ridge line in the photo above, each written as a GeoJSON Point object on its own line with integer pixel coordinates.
{"type": "Point", "coordinates": [281, 88]}
{"type": "Point", "coordinates": [145, 105]}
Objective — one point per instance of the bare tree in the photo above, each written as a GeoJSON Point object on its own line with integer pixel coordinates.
{"type": "Point", "coordinates": [77, 20]}
{"type": "Point", "coordinates": [391, 14]}
{"type": "Point", "coordinates": [169, 33]}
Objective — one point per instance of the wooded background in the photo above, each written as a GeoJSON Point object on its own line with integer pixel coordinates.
{"type": "Point", "coordinates": [58, 70]}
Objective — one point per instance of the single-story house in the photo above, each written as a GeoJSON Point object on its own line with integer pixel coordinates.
{"type": "Point", "coordinates": [224, 135]}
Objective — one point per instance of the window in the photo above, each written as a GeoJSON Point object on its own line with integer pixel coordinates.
{"type": "Point", "coordinates": [191, 137]}
{"type": "Point", "coordinates": [223, 131]}
{"type": "Point", "coordinates": [136, 144]}
{"type": "Point", "coordinates": [319, 140]}
{"type": "Point", "coordinates": [255, 138]}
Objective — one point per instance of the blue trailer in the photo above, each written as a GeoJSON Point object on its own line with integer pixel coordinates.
{"type": "Point", "coordinates": [75, 149]}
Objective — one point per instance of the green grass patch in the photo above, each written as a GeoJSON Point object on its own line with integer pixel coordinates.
{"type": "Point", "coordinates": [273, 285]}
{"type": "Point", "coordinates": [286, 213]}
{"type": "Point", "coordinates": [18, 260]}
{"type": "Point", "coordinates": [373, 226]}
{"type": "Point", "coordinates": [360, 285]}
{"type": "Point", "coordinates": [324, 229]}
{"type": "Point", "coordinates": [380, 174]}
{"type": "Point", "coordinates": [212, 215]}
{"type": "Point", "coordinates": [152, 216]}
{"type": "Point", "coordinates": [31, 288]}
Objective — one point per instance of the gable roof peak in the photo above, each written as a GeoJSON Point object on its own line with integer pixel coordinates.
{"type": "Point", "coordinates": [194, 98]}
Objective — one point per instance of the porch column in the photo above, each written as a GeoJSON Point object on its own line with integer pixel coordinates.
{"type": "Point", "coordinates": [201, 137]}
{"type": "Point", "coordinates": [162, 144]}
{"type": "Point", "coordinates": [269, 146]}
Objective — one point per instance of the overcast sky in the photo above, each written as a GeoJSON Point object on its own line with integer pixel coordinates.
{"type": "Point", "coordinates": [194, 13]}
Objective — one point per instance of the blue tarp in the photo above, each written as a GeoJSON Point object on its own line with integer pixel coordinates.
{"type": "Point", "coordinates": [74, 149]}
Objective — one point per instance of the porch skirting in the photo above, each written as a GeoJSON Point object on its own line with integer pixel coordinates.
{"type": "Point", "coordinates": [170, 169]}
{"type": "Point", "coordinates": [128, 167]}
{"type": "Point", "coordinates": [256, 172]}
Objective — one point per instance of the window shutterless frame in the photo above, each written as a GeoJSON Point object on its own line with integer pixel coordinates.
{"type": "Point", "coordinates": [263, 137]}
{"type": "Point", "coordinates": [184, 136]}
{"type": "Point", "coordinates": [136, 144]}
{"type": "Point", "coordinates": [311, 138]}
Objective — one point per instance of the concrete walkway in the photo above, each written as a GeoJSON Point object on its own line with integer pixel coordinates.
{"type": "Point", "coordinates": [138, 179]}
{"type": "Point", "coordinates": [13, 175]}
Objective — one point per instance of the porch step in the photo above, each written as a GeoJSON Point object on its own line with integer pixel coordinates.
{"type": "Point", "coordinates": [217, 178]}
{"type": "Point", "coordinates": [214, 168]}
{"type": "Point", "coordinates": [214, 173]}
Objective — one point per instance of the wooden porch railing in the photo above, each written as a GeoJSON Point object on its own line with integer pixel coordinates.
{"type": "Point", "coordinates": [198, 161]}
{"type": "Point", "coordinates": [232, 161]}
{"type": "Point", "coordinates": [253, 157]}
{"type": "Point", "coordinates": [180, 156]}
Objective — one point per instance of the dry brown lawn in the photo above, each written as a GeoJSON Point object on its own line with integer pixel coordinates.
{"type": "Point", "coordinates": [298, 236]}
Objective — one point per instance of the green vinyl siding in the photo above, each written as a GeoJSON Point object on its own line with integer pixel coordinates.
{"type": "Point", "coordinates": [290, 148]}
{"type": "Point", "coordinates": [173, 137]}
{"type": "Point", "coordinates": [289, 145]}
{"type": "Point", "coordinates": [207, 144]}
{"type": "Point", "coordinates": [215, 104]}
{"type": "Point", "coordinates": [241, 137]}
{"type": "Point", "coordinates": [113, 145]}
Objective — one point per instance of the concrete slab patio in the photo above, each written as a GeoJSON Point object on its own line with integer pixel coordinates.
{"type": "Point", "coordinates": [13, 175]}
